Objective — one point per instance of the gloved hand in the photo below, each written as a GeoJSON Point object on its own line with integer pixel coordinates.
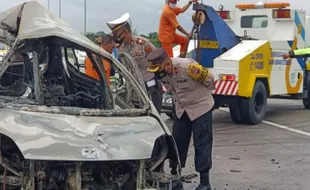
{"type": "Point", "coordinates": [285, 55]}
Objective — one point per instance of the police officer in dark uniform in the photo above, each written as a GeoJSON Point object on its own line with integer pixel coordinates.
{"type": "Point", "coordinates": [191, 85]}
{"type": "Point", "coordinates": [139, 48]}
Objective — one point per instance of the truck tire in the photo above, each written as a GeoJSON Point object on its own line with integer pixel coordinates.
{"type": "Point", "coordinates": [235, 111]}
{"type": "Point", "coordinates": [306, 101]}
{"type": "Point", "coordinates": [254, 108]}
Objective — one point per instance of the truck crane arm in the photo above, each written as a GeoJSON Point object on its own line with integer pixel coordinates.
{"type": "Point", "coordinates": [214, 36]}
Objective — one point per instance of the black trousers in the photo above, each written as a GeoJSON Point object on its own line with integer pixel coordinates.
{"type": "Point", "coordinates": [203, 140]}
{"type": "Point", "coordinates": [156, 93]}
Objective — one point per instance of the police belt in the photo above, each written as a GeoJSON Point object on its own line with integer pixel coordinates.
{"type": "Point", "coordinates": [153, 83]}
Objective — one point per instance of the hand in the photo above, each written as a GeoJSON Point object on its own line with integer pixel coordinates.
{"type": "Point", "coordinates": [189, 35]}
{"type": "Point", "coordinates": [285, 55]}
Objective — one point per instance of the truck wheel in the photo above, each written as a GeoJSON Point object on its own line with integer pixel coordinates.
{"type": "Point", "coordinates": [306, 101]}
{"type": "Point", "coordinates": [254, 108]}
{"type": "Point", "coordinates": [235, 112]}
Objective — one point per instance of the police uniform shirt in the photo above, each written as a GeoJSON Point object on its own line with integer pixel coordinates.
{"type": "Point", "coordinates": [139, 49]}
{"type": "Point", "coordinates": [190, 95]}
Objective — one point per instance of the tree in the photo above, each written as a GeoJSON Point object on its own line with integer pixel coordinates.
{"type": "Point", "coordinates": [92, 35]}
{"type": "Point", "coordinates": [153, 37]}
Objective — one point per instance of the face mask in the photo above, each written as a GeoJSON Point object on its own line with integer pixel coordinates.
{"type": "Point", "coordinates": [172, 6]}
{"type": "Point", "coordinates": [118, 39]}
{"type": "Point", "coordinates": [160, 74]}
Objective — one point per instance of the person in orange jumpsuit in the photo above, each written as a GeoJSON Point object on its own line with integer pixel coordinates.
{"type": "Point", "coordinates": [168, 24]}
{"type": "Point", "coordinates": [107, 43]}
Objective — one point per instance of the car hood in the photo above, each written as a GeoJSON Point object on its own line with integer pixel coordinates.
{"type": "Point", "coordinates": [43, 136]}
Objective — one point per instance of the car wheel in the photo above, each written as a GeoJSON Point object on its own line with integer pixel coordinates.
{"type": "Point", "coordinates": [172, 114]}
{"type": "Point", "coordinates": [169, 115]}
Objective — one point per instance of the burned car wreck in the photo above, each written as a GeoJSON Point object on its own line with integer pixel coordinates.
{"type": "Point", "coordinates": [60, 128]}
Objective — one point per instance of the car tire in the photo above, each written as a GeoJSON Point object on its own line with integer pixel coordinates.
{"type": "Point", "coordinates": [254, 108]}
{"type": "Point", "coordinates": [170, 115]}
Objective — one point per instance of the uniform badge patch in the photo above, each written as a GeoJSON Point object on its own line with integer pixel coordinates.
{"type": "Point", "coordinates": [148, 49]}
{"type": "Point", "coordinates": [194, 69]}
{"type": "Point", "coordinates": [197, 72]}
{"type": "Point", "coordinates": [140, 41]}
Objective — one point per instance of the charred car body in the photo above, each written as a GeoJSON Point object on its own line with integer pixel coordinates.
{"type": "Point", "coordinates": [61, 129]}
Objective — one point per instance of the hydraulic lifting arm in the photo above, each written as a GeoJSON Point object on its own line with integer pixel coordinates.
{"type": "Point", "coordinates": [214, 36]}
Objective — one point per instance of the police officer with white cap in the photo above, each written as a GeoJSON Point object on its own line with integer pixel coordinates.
{"type": "Point", "coordinates": [138, 48]}
{"type": "Point", "coordinates": [191, 85]}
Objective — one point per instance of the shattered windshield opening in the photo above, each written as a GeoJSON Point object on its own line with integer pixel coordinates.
{"type": "Point", "coordinates": [52, 73]}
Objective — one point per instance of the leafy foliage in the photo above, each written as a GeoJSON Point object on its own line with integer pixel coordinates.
{"type": "Point", "coordinates": [93, 35]}
{"type": "Point", "coordinates": [153, 36]}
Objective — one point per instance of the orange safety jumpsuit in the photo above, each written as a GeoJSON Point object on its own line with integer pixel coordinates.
{"type": "Point", "coordinates": [167, 30]}
{"type": "Point", "coordinates": [90, 71]}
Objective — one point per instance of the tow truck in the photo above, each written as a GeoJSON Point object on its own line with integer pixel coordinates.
{"type": "Point", "coordinates": [244, 48]}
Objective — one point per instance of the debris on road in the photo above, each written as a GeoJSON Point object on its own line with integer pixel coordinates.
{"type": "Point", "coordinates": [188, 178]}
{"type": "Point", "coordinates": [234, 158]}
{"type": "Point", "coordinates": [235, 171]}
{"type": "Point", "coordinates": [274, 161]}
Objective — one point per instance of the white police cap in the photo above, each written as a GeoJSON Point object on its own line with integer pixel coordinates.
{"type": "Point", "coordinates": [119, 22]}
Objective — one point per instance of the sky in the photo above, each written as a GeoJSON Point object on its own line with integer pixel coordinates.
{"type": "Point", "coordinates": [144, 14]}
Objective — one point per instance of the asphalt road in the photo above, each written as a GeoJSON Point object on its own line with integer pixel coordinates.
{"type": "Point", "coordinates": [274, 155]}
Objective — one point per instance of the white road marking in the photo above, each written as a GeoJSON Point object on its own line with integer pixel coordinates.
{"type": "Point", "coordinates": [279, 126]}
{"type": "Point", "coordinates": [286, 128]}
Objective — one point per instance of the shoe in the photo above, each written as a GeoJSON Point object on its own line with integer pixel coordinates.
{"type": "Point", "coordinates": [204, 182]}
{"type": "Point", "coordinates": [203, 187]}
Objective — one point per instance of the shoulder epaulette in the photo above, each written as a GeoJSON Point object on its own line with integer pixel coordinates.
{"type": "Point", "coordinates": [140, 41]}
